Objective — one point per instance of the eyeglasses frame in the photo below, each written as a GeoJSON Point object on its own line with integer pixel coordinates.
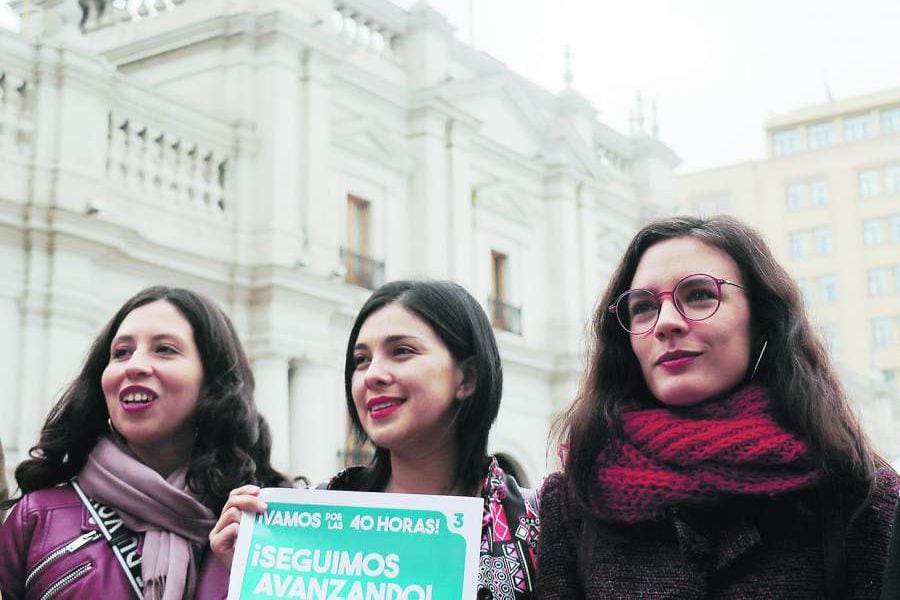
{"type": "Point", "coordinates": [613, 308]}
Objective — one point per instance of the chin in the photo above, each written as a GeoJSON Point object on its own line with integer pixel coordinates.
{"type": "Point", "coordinates": [680, 395]}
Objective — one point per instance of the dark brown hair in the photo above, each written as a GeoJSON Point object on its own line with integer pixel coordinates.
{"type": "Point", "coordinates": [232, 444]}
{"type": "Point", "coordinates": [807, 397]}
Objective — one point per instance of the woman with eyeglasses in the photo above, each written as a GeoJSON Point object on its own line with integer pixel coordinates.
{"type": "Point", "coordinates": [135, 460]}
{"type": "Point", "coordinates": [711, 451]}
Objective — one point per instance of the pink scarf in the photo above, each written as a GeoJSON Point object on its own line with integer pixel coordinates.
{"type": "Point", "coordinates": [174, 523]}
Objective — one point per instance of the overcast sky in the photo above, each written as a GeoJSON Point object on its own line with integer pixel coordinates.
{"type": "Point", "coordinates": [717, 68]}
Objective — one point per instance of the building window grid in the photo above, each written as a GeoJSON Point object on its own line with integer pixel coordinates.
{"type": "Point", "coordinates": [824, 240]}
{"type": "Point", "coordinates": [883, 332]}
{"type": "Point", "coordinates": [878, 281]}
{"type": "Point", "coordinates": [818, 193]}
{"type": "Point", "coordinates": [828, 289]}
{"type": "Point", "coordinates": [892, 179]}
{"type": "Point", "coordinates": [796, 196]}
{"type": "Point", "coordinates": [799, 242]}
{"type": "Point", "coordinates": [869, 183]}
{"type": "Point", "coordinates": [890, 120]}
{"type": "Point", "coordinates": [786, 142]}
{"type": "Point", "coordinates": [858, 127]}
{"type": "Point", "coordinates": [819, 135]}
{"type": "Point", "coordinates": [504, 315]}
{"type": "Point", "coordinates": [872, 234]}
{"type": "Point", "coordinates": [359, 266]}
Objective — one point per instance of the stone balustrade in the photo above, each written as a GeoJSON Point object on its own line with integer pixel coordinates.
{"type": "Point", "coordinates": [97, 14]}
{"type": "Point", "coordinates": [167, 166]}
{"type": "Point", "coordinates": [369, 26]}
{"type": "Point", "coordinates": [151, 150]}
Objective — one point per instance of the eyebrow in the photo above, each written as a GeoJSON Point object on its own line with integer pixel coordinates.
{"type": "Point", "coordinates": [155, 338]}
{"type": "Point", "coordinates": [391, 339]}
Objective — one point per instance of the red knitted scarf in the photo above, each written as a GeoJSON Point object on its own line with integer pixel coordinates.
{"type": "Point", "coordinates": [697, 454]}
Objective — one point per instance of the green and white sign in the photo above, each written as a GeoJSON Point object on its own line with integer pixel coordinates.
{"type": "Point", "coordinates": [325, 545]}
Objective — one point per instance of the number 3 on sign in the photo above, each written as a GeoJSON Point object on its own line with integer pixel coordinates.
{"type": "Point", "coordinates": [457, 519]}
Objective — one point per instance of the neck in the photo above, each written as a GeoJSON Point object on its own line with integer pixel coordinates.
{"type": "Point", "coordinates": [164, 458]}
{"type": "Point", "coordinates": [428, 473]}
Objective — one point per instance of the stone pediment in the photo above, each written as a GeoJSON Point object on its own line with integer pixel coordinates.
{"type": "Point", "coordinates": [505, 200]}
{"type": "Point", "coordinates": [508, 112]}
{"type": "Point", "coordinates": [371, 139]}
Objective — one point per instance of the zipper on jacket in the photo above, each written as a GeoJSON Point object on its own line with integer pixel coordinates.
{"type": "Point", "coordinates": [83, 539]}
{"type": "Point", "coordinates": [67, 579]}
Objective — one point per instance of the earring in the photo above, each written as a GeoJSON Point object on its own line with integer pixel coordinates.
{"type": "Point", "coordinates": [759, 359]}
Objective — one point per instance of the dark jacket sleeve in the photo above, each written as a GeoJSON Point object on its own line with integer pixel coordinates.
{"type": "Point", "coordinates": [868, 537]}
{"type": "Point", "coordinates": [15, 535]}
{"type": "Point", "coordinates": [890, 589]}
{"type": "Point", "coordinates": [557, 570]}
{"type": "Point", "coordinates": [4, 490]}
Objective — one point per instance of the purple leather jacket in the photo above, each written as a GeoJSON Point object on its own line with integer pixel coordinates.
{"type": "Point", "coordinates": [50, 549]}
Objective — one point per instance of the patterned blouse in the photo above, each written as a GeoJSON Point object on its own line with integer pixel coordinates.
{"type": "Point", "coordinates": [509, 534]}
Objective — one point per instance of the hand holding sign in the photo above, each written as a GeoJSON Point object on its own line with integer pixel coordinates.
{"type": "Point", "coordinates": [313, 544]}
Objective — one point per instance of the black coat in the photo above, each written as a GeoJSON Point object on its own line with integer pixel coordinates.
{"type": "Point", "coordinates": [891, 588]}
{"type": "Point", "coordinates": [744, 547]}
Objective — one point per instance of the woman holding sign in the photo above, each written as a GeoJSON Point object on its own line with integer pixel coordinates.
{"type": "Point", "coordinates": [423, 383]}
{"type": "Point", "coordinates": [711, 451]}
{"type": "Point", "coordinates": [136, 458]}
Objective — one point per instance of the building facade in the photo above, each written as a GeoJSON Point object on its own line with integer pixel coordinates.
{"type": "Point", "coordinates": [284, 157]}
{"type": "Point", "coordinates": [828, 198]}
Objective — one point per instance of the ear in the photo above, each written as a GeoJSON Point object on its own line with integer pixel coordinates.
{"type": "Point", "coordinates": [469, 381]}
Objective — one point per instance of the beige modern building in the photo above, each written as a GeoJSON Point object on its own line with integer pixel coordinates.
{"type": "Point", "coordinates": [828, 198]}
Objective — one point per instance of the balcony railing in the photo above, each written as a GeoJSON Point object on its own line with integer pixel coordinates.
{"type": "Point", "coordinates": [505, 316]}
{"type": "Point", "coordinates": [362, 270]}
{"type": "Point", "coordinates": [96, 14]}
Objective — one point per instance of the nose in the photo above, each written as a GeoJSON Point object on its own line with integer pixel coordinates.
{"type": "Point", "coordinates": [670, 322]}
{"type": "Point", "coordinates": [138, 366]}
{"type": "Point", "coordinates": [378, 374]}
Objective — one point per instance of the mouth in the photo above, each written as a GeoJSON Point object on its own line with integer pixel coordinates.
{"type": "Point", "coordinates": [381, 407]}
{"type": "Point", "coordinates": [136, 397]}
{"type": "Point", "coordinates": [677, 359]}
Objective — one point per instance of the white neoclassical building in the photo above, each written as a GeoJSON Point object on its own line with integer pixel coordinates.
{"type": "Point", "coordinates": [284, 157]}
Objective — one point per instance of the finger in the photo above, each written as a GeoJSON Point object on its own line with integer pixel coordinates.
{"type": "Point", "coordinates": [224, 540]}
{"type": "Point", "coordinates": [245, 502]}
{"type": "Point", "coordinates": [251, 490]}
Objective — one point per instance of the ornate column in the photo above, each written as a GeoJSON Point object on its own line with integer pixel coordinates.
{"type": "Point", "coordinates": [462, 267]}
{"type": "Point", "coordinates": [318, 417]}
{"type": "Point", "coordinates": [321, 226]}
{"type": "Point", "coordinates": [271, 373]}
{"type": "Point", "coordinates": [564, 260]}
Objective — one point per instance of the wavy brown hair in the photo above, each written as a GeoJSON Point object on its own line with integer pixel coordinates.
{"type": "Point", "coordinates": [232, 445]}
{"type": "Point", "coordinates": [806, 395]}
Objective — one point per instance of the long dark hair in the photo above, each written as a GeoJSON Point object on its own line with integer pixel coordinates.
{"type": "Point", "coordinates": [232, 444]}
{"type": "Point", "coordinates": [807, 397]}
{"type": "Point", "coordinates": [460, 323]}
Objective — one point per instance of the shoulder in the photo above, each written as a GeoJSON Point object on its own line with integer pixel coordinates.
{"type": "Point", "coordinates": [553, 490]}
{"type": "Point", "coordinates": [344, 481]}
{"type": "Point", "coordinates": [887, 483]}
{"type": "Point", "coordinates": [55, 498]}
{"type": "Point", "coordinates": [886, 493]}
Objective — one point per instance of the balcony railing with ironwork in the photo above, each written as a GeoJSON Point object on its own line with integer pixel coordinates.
{"type": "Point", "coordinates": [362, 270]}
{"type": "Point", "coordinates": [505, 316]}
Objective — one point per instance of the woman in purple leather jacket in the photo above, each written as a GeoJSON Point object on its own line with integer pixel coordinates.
{"type": "Point", "coordinates": [136, 459]}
